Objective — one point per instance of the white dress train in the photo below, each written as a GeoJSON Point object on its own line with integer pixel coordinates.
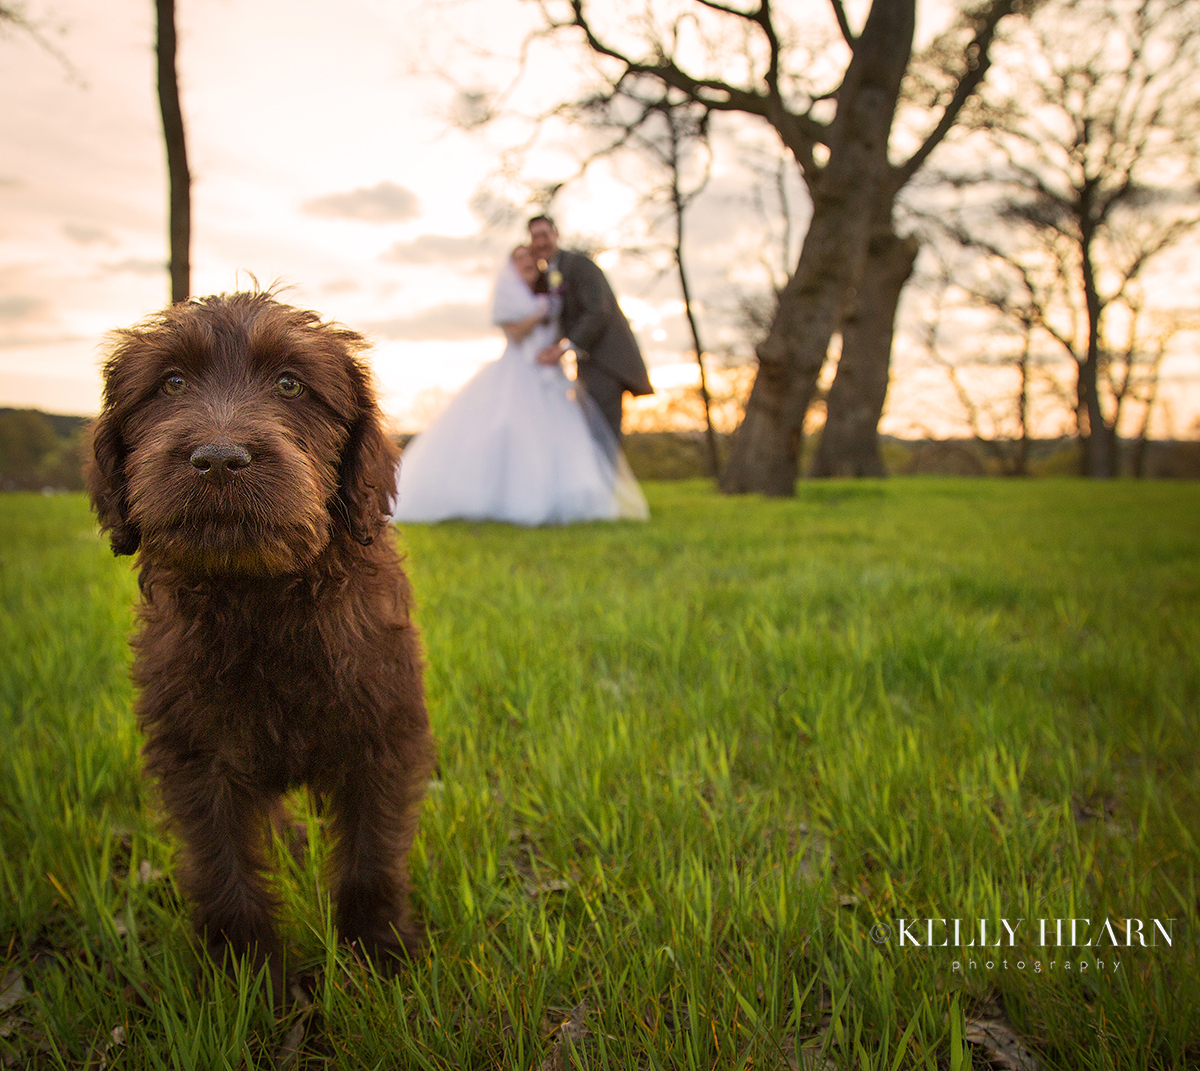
{"type": "Point", "coordinates": [518, 443]}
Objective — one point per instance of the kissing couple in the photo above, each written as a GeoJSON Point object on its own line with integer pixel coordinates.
{"type": "Point", "coordinates": [522, 442]}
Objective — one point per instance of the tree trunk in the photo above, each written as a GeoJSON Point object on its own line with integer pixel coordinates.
{"type": "Point", "coordinates": [1021, 465]}
{"type": "Point", "coordinates": [765, 455]}
{"type": "Point", "coordinates": [850, 442]}
{"type": "Point", "coordinates": [177, 165]}
{"type": "Point", "coordinates": [1097, 452]}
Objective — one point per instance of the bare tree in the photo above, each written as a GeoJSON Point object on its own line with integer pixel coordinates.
{"type": "Point", "coordinates": [680, 126]}
{"type": "Point", "coordinates": [1153, 352]}
{"type": "Point", "coordinates": [179, 177]}
{"type": "Point", "coordinates": [839, 137]}
{"type": "Point", "coordinates": [1001, 419]}
{"type": "Point", "coordinates": [1097, 150]}
{"type": "Point", "coordinates": [1015, 304]}
{"type": "Point", "coordinates": [671, 131]}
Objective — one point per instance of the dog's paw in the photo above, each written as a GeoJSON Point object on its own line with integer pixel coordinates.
{"type": "Point", "coordinates": [389, 955]}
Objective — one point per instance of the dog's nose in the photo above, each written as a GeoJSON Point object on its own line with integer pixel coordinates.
{"type": "Point", "coordinates": [220, 460]}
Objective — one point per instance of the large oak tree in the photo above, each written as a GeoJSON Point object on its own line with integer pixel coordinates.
{"type": "Point", "coordinates": [853, 263]}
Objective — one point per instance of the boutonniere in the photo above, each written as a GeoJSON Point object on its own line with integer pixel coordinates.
{"type": "Point", "coordinates": [554, 279]}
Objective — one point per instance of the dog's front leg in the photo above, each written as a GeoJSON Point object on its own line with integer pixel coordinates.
{"type": "Point", "coordinates": [375, 818]}
{"type": "Point", "coordinates": [223, 821]}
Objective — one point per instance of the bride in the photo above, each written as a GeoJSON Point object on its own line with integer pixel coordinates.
{"type": "Point", "coordinates": [520, 442]}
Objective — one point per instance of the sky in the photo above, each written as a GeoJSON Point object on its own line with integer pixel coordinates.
{"type": "Point", "coordinates": [323, 160]}
{"type": "Point", "coordinates": [319, 162]}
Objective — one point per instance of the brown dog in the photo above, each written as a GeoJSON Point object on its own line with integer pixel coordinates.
{"type": "Point", "coordinates": [240, 452]}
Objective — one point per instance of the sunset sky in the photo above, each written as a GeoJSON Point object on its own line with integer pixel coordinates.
{"type": "Point", "coordinates": [323, 159]}
{"type": "Point", "coordinates": [319, 161]}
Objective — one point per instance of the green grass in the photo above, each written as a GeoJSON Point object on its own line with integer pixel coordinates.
{"type": "Point", "coordinates": [685, 767]}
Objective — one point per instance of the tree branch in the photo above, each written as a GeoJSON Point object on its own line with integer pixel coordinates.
{"type": "Point", "coordinates": [714, 6]}
{"type": "Point", "coordinates": [13, 14]}
{"type": "Point", "coordinates": [978, 60]}
{"type": "Point", "coordinates": [839, 13]}
{"type": "Point", "coordinates": [798, 132]}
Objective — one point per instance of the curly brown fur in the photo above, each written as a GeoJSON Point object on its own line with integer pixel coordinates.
{"type": "Point", "coordinates": [241, 455]}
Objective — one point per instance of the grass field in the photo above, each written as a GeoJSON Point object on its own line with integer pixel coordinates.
{"type": "Point", "coordinates": [698, 778]}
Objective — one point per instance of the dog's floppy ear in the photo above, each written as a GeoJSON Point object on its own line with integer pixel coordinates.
{"type": "Point", "coordinates": [367, 478]}
{"type": "Point", "coordinates": [105, 473]}
{"type": "Point", "coordinates": [104, 470]}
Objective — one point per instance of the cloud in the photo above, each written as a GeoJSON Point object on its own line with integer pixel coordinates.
{"type": "Point", "coordinates": [17, 307]}
{"type": "Point", "coordinates": [138, 266]}
{"type": "Point", "coordinates": [342, 286]}
{"type": "Point", "coordinates": [442, 323]}
{"type": "Point", "coordinates": [383, 203]}
{"type": "Point", "coordinates": [435, 248]}
{"type": "Point", "coordinates": [85, 234]}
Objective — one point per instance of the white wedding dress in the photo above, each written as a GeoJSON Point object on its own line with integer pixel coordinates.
{"type": "Point", "coordinates": [516, 443]}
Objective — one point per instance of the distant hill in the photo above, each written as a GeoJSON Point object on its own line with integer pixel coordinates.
{"type": "Point", "coordinates": [41, 450]}
{"type": "Point", "coordinates": [64, 424]}
{"type": "Point", "coordinates": [673, 455]}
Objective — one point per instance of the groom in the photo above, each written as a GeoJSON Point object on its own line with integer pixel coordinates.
{"type": "Point", "coordinates": [592, 324]}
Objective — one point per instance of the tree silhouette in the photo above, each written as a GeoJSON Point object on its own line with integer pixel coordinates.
{"type": "Point", "coordinates": [671, 131]}
{"type": "Point", "coordinates": [1095, 151]}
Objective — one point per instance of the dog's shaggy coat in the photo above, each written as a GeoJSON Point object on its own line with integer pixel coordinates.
{"type": "Point", "coordinates": [240, 453]}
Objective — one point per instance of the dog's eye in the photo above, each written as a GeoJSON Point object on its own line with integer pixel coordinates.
{"type": "Point", "coordinates": [289, 386]}
{"type": "Point", "coordinates": [174, 384]}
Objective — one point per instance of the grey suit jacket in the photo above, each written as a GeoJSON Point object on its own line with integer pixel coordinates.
{"type": "Point", "coordinates": [594, 322]}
